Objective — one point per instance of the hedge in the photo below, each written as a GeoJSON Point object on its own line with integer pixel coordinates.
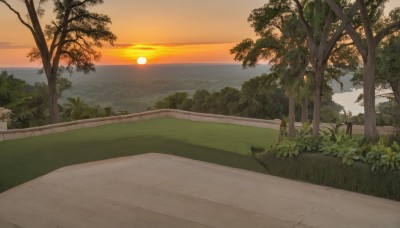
{"type": "Point", "coordinates": [319, 169]}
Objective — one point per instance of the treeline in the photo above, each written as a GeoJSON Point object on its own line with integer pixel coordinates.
{"type": "Point", "coordinates": [387, 115]}
{"type": "Point", "coordinates": [29, 103]}
{"type": "Point", "coordinates": [259, 97]}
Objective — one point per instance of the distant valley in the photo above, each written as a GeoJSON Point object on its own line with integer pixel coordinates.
{"type": "Point", "coordinates": [135, 88]}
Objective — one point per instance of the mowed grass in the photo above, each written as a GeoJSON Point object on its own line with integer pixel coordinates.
{"type": "Point", "coordinates": [25, 159]}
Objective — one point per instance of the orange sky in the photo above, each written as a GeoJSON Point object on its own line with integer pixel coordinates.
{"type": "Point", "coordinates": [164, 31]}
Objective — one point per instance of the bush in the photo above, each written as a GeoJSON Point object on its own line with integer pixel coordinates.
{"type": "Point", "coordinates": [382, 155]}
{"type": "Point", "coordinates": [329, 171]}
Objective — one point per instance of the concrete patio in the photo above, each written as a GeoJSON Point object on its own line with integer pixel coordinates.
{"type": "Point", "coordinates": [156, 190]}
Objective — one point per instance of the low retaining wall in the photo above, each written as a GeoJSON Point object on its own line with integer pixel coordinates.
{"type": "Point", "coordinates": [202, 117]}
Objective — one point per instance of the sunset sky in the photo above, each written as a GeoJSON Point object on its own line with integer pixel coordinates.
{"type": "Point", "coordinates": [164, 31]}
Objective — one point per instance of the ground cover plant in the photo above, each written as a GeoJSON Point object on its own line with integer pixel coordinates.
{"type": "Point", "coordinates": [25, 159]}
{"type": "Point", "coordinates": [337, 160]}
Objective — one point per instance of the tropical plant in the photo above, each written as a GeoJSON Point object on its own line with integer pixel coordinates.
{"type": "Point", "coordinates": [341, 145]}
{"type": "Point", "coordinates": [383, 156]}
{"type": "Point", "coordinates": [287, 148]}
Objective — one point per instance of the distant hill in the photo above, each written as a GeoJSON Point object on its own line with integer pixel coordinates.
{"type": "Point", "coordinates": [135, 88]}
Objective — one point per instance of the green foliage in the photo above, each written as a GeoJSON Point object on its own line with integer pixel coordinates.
{"type": "Point", "coordinates": [29, 103]}
{"type": "Point", "coordinates": [11, 89]}
{"type": "Point", "coordinates": [329, 115]}
{"type": "Point", "coordinates": [75, 35]}
{"type": "Point", "coordinates": [258, 98]}
{"type": "Point", "coordinates": [302, 142]}
{"type": "Point", "coordinates": [382, 156]}
{"type": "Point", "coordinates": [388, 114]}
{"type": "Point", "coordinates": [77, 109]}
{"type": "Point", "coordinates": [338, 144]}
{"type": "Point", "coordinates": [329, 171]}
{"type": "Point", "coordinates": [304, 139]}
{"type": "Point", "coordinates": [287, 148]}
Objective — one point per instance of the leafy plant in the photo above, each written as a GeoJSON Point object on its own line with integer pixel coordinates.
{"type": "Point", "coordinates": [382, 154]}
{"type": "Point", "coordinates": [303, 142]}
{"type": "Point", "coordinates": [338, 144]}
{"type": "Point", "coordinates": [384, 157]}
{"type": "Point", "coordinates": [287, 148]}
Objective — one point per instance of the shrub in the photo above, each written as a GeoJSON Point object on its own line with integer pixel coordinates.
{"type": "Point", "coordinates": [329, 171]}
{"type": "Point", "coordinates": [383, 154]}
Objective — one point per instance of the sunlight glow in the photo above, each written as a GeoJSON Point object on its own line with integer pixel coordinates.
{"type": "Point", "coordinates": [161, 53]}
{"type": "Point", "coordinates": [141, 60]}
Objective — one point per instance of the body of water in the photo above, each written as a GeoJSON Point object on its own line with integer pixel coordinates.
{"type": "Point", "coordinates": [348, 100]}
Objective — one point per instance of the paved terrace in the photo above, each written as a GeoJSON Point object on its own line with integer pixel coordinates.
{"type": "Point", "coordinates": [155, 190]}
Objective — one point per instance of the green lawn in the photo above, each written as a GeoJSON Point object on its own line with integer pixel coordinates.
{"type": "Point", "coordinates": [25, 159]}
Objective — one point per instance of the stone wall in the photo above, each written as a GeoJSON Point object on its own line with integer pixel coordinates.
{"type": "Point", "coordinates": [4, 118]}
{"type": "Point", "coordinates": [3, 126]}
{"type": "Point", "coordinates": [201, 117]}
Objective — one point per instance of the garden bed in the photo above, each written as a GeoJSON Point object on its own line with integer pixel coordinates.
{"type": "Point", "coordinates": [330, 171]}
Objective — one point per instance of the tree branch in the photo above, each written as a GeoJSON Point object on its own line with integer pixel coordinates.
{"type": "Point", "coordinates": [341, 46]}
{"type": "Point", "coordinates": [349, 28]}
{"type": "Point", "coordinates": [339, 33]}
{"type": "Point", "coordinates": [18, 15]}
{"type": "Point", "coordinates": [386, 31]}
{"type": "Point", "coordinates": [366, 23]}
{"type": "Point", "coordinates": [309, 32]}
{"type": "Point", "coordinates": [304, 21]}
{"type": "Point", "coordinates": [327, 26]}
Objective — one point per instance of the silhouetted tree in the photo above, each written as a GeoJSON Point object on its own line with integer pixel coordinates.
{"type": "Point", "coordinates": [69, 41]}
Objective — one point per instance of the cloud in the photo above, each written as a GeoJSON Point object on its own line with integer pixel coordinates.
{"type": "Point", "coordinates": [148, 46]}
{"type": "Point", "coordinates": [9, 45]}
{"type": "Point", "coordinates": [188, 44]}
{"type": "Point", "coordinates": [121, 45]}
{"type": "Point", "coordinates": [144, 48]}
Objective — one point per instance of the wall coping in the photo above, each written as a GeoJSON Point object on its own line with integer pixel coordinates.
{"type": "Point", "coordinates": [202, 117]}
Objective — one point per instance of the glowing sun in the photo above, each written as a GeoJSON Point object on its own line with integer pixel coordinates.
{"type": "Point", "coordinates": [142, 60]}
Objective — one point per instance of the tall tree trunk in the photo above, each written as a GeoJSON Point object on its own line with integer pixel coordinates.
{"type": "Point", "coordinates": [53, 106]}
{"type": "Point", "coordinates": [292, 116]}
{"type": "Point", "coordinates": [369, 95]}
{"type": "Point", "coordinates": [396, 91]}
{"type": "Point", "coordinates": [304, 110]}
{"type": "Point", "coordinates": [319, 74]}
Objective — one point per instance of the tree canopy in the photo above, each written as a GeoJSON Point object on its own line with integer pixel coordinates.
{"type": "Point", "coordinates": [71, 41]}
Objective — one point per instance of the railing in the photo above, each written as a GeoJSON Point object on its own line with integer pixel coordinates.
{"type": "Point", "coordinates": [202, 117]}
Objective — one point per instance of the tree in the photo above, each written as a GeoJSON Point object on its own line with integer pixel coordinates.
{"type": "Point", "coordinates": [200, 101]}
{"type": "Point", "coordinates": [281, 42]}
{"type": "Point", "coordinates": [69, 42]}
{"type": "Point", "coordinates": [304, 95]}
{"type": "Point", "coordinates": [11, 89]}
{"type": "Point", "coordinates": [178, 100]}
{"type": "Point", "coordinates": [263, 98]}
{"type": "Point", "coordinates": [76, 108]}
{"type": "Point", "coordinates": [325, 42]}
{"type": "Point", "coordinates": [366, 41]}
{"type": "Point", "coordinates": [388, 66]}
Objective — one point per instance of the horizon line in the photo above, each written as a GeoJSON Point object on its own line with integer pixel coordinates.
{"type": "Point", "coordinates": [151, 64]}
